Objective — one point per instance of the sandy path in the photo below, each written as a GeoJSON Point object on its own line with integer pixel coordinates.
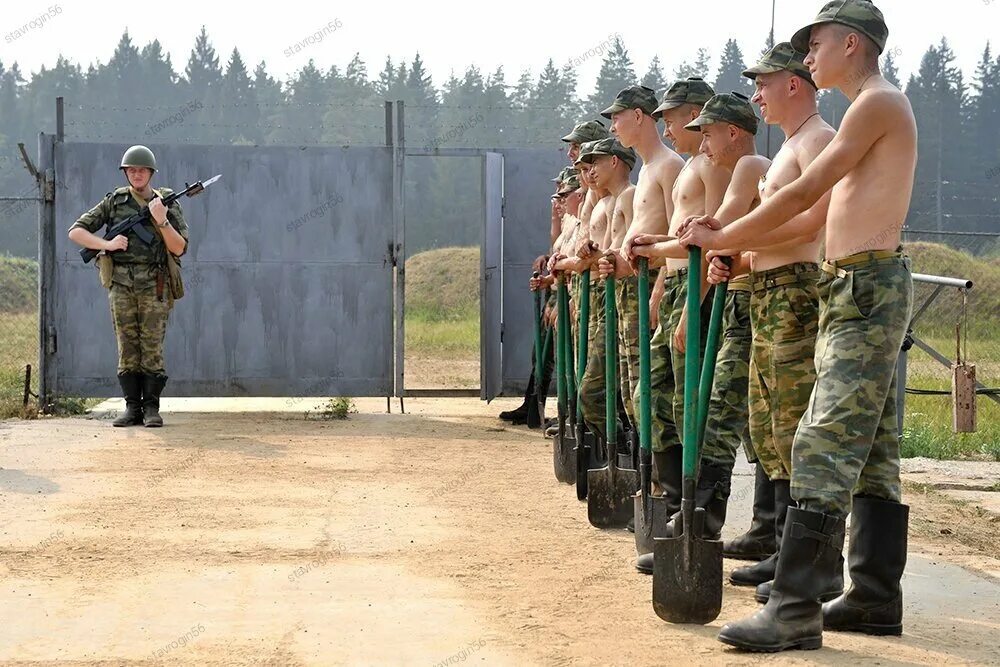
{"type": "Point", "coordinates": [433, 537]}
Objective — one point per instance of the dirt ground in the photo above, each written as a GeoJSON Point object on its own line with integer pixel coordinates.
{"type": "Point", "coordinates": [435, 537]}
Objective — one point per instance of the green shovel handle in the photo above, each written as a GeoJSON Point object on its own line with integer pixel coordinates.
{"type": "Point", "coordinates": [711, 355]}
{"type": "Point", "coordinates": [561, 349]}
{"type": "Point", "coordinates": [645, 404]}
{"type": "Point", "coordinates": [539, 312]}
{"type": "Point", "coordinates": [611, 365]}
{"type": "Point", "coordinates": [691, 363]}
{"type": "Point", "coordinates": [583, 338]}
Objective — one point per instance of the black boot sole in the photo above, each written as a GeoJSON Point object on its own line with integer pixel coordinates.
{"type": "Point", "coordinates": [740, 555]}
{"type": "Point", "coordinates": [803, 644]}
{"type": "Point", "coordinates": [869, 629]}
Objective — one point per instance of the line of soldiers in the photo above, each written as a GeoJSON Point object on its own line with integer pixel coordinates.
{"type": "Point", "coordinates": [805, 378]}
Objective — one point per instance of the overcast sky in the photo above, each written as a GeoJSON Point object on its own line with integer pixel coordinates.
{"type": "Point", "coordinates": [517, 34]}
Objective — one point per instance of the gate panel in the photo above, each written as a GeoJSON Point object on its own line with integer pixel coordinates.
{"type": "Point", "coordinates": [491, 287]}
{"type": "Point", "coordinates": [288, 274]}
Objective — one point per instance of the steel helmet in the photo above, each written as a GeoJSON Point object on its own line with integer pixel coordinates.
{"type": "Point", "coordinates": [138, 156]}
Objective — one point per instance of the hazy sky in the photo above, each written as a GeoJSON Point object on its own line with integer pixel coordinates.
{"type": "Point", "coordinates": [516, 33]}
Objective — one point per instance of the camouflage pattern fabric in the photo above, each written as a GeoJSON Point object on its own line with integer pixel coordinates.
{"type": "Point", "coordinates": [847, 442]}
{"type": "Point", "coordinates": [633, 97]}
{"type": "Point", "coordinates": [590, 130]}
{"type": "Point", "coordinates": [781, 56]}
{"type": "Point", "coordinates": [592, 386]}
{"type": "Point", "coordinates": [628, 341]}
{"type": "Point", "coordinates": [861, 15]}
{"type": "Point", "coordinates": [692, 90]}
{"type": "Point", "coordinates": [784, 312]}
{"type": "Point", "coordinates": [140, 321]}
{"type": "Point", "coordinates": [727, 427]}
{"type": "Point", "coordinates": [732, 108]}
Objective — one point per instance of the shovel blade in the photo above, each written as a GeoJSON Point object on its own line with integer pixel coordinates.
{"type": "Point", "coordinates": [609, 496]}
{"type": "Point", "coordinates": [585, 446]}
{"type": "Point", "coordinates": [687, 579]}
{"type": "Point", "coordinates": [564, 458]}
{"type": "Point", "coordinates": [649, 524]}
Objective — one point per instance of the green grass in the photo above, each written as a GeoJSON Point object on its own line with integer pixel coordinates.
{"type": "Point", "coordinates": [927, 424]}
{"type": "Point", "coordinates": [442, 302]}
{"type": "Point", "coordinates": [339, 407]}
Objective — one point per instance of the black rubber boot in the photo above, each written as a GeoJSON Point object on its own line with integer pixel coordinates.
{"type": "Point", "coordinates": [832, 592]}
{"type": "Point", "coordinates": [668, 474]}
{"type": "Point", "coordinates": [152, 386]}
{"type": "Point", "coordinates": [520, 413]}
{"type": "Point", "coordinates": [759, 541]}
{"type": "Point", "coordinates": [876, 559]}
{"type": "Point", "coordinates": [712, 494]}
{"type": "Point", "coordinates": [131, 384]}
{"type": "Point", "coordinates": [793, 616]}
{"type": "Point", "coordinates": [758, 573]}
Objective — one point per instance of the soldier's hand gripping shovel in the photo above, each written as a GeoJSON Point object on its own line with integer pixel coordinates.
{"type": "Point", "coordinates": [650, 511]}
{"type": "Point", "coordinates": [687, 569]}
{"type": "Point", "coordinates": [610, 489]}
{"type": "Point", "coordinates": [536, 409]}
{"type": "Point", "coordinates": [563, 444]}
{"type": "Point", "coordinates": [584, 441]}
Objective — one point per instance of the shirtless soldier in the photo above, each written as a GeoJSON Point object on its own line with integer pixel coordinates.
{"type": "Point", "coordinates": [634, 124]}
{"type": "Point", "coordinates": [698, 189]}
{"type": "Point", "coordinates": [728, 126]}
{"type": "Point", "coordinates": [847, 441]}
{"type": "Point", "coordinates": [610, 166]}
{"type": "Point", "coordinates": [785, 304]}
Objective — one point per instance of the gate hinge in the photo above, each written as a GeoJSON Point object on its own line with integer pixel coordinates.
{"type": "Point", "coordinates": [502, 327]}
{"type": "Point", "coordinates": [49, 186]}
{"type": "Point", "coordinates": [50, 341]}
{"type": "Point", "coordinates": [503, 206]}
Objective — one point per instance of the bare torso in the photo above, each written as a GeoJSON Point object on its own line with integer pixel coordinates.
{"type": "Point", "coordinates": [651, 205]}
{"type": "Point", "coordinates": [621, 219]}
{"type": "Point", "coordinates": [868, 205]}
{"type": "Point", "coordinates": [688, 197]}
{"type": "Point", "coordinates": [788, 164]}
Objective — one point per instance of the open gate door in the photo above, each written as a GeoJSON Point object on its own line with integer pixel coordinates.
{"type": "Point", "coordinates": [491, 279]}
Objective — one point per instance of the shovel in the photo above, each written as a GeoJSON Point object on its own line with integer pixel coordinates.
{"type": "Point", "coordinates": [584, 441]}
{"type": "Point", "coordinates": [563, 445]}
{"type": "Point", "coordinates": [650, 512]}
{"type": "Point", "coordinates": [610, 489]}
{"type": "Point", "coordinates": [535, 405]}
{"type": "Point", "coordinates": [687, 569]}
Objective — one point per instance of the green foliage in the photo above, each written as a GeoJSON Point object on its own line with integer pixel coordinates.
{"type": "Point", "coordinates": [337, 408]}
{"type": "Point", "coordinates": [18, 285]}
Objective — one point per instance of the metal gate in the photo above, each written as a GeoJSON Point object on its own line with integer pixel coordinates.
{"type": "Point", "coordinates": [295, 274]}
{"type": "Point", "coordinates": [288, 278]}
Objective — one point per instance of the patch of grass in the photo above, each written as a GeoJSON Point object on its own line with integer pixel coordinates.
{"type": "Point", "coordinates": [442, 302]}
{"type": "Point", "coordinates": [18, 284]}
{"type": "Point", "coordinates": [458, 337]}
{"type": "Point", "coordinates": [927, 426]}
{"type": "Point", "coordinates": [337, 408]}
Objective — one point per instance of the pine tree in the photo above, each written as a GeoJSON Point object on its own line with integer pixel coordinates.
{"type": "Point", "coordinates": [701, 67]}
{"type": "Point", "coordinates": [730, 77]}
{"type": "Point", "coordinates": [890, 71]}
{"type": "Point", "coordinates": [654, 77]}
{"type": "Point", "coordinates": [268, 97]}
{"type": "Point", "coordinates": [239, 103]}
{"type": "Point", "coordinates": [617, 72]}
{"type": "Point", "coordinates": [203, 78]}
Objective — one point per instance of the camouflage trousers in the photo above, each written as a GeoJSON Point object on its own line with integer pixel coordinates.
{"type": "Point", "coordinates": [727, 427]}
{"type": "Point", "coordinates": [140, 321]}
{"type": "Point", "coordinates": [667, 365]}
{"type": "Point", "coordinates": [627, 292]}
{"type": "Point", "coordinates": [847, 442]}
{"type": "Point", "coordinates": [784, 312]}
{"type": "Point", "coordinates": [592, 398]}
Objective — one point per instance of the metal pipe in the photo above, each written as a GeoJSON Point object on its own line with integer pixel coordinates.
{"type": "Point", "coordinates": [960, 283]}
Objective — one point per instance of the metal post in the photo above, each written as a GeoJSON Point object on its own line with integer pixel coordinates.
{"type": "Point", "coordinates": [60, 125]}
{"type": "Point", "coordinates": [46, 271]}
{"type": "Point", "coordinates": [901, 388]}
{"type": "Point", "coordinates": [399, 250]}
{"type": "Point", "coordinates": [388, 123]}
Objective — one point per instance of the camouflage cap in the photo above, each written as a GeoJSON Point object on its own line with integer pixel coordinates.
{"type": "Point", "coordinates": [861, 15]}
{"type": "Point", "coordinates": [585, 149]}
{"type": "Point", "coordinates": [571, 184]}
{"type": "Point", "coordinates": [780, 57]}
{"type": "Point", "coordinates": [563, 173]}
{"type": "Point", "coordinates": [633, 97]}
{"type": "Point", "coordinates": [692, 90]}
{"type": "Point", "coordinates": [590, 130]}
{"type": "Point", "coordinates": [611, 146]}
{"type": "Point", "coordinates": [730, 108]}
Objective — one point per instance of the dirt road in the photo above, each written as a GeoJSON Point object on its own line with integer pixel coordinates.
{"type": "Point", "coordinates": [435, 537]}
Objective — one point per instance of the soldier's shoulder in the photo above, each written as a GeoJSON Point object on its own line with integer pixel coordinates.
{"type": "Point", "coordinates": [118, 191]}
{"type": "Point", "coordinates": [164, 192]}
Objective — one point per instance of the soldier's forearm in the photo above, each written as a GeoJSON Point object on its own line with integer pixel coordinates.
{"type": "Point", "coordinates": [86, 239]}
